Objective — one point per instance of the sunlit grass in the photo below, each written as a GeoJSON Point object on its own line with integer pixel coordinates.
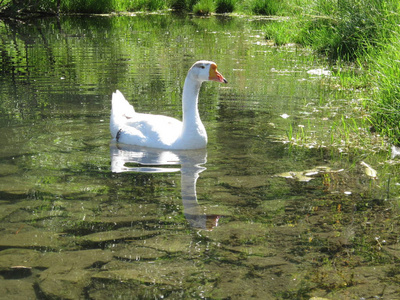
{"type": "Point", "coordinates": [87, 6]}
{"type": "Point", "coordinates": [204, 7]}
{"type": "Point", "coordinates": [265, 7]}
{"type": "Point", "coordinates": [339, 29]}
{"type": "Point", "coordinates": [362, 40]}
{"type": "Point", "coordinates": [385, 106]}
{"type": "Point", "coordinates": [281, 32]}
{"type": "Point", "coordinates": [151, 5]}
{"type": "Point", "coordinates": [258, 7]}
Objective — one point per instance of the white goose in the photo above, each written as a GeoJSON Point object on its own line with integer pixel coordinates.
{"type": "Point", "coordinates": [157, 131]}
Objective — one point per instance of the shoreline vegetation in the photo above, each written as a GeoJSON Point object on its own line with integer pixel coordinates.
{"type": "Point", "coordinates": [362, 35]}
{"type": "Point", "coordinates": [32, 8]}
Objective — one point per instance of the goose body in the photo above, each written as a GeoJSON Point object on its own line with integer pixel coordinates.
{"type": "Point", "coordinates": [156, 131]}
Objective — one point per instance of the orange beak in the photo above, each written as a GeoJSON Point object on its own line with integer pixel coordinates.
{"type": "Point", "coordinates": [215, 75]}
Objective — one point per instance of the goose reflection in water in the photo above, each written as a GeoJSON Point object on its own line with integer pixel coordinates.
{"type": "Point", "coordinates": [188, 162]}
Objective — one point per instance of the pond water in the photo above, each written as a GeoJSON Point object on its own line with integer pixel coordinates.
{"type": "Point", "coordinates": [251, 216]}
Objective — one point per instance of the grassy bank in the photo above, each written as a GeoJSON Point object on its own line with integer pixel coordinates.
{"type": "Point", "coordinates": [362, 34]}
{"type": "Point", "coordinates": [19, 8]}
{"type": "Point", "coordinates": [385, 74]}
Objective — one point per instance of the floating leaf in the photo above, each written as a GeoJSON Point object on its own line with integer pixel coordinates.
{"type": "Point", "coordinates": [302, 177]}
{"type": "Point", "coordinates": [395, 151]}
{"type": "Point", "coordinates": [311, 173]}
{"type": "Point", "coordinates": [307, 175]}
{"type": "Point", "coordinates": [369, 171]}
{"type": "Point", "coordinates": [299, 176]}
{"type": "Point", "coordinates": [290, 175]}
{"type": "Point", "coordinates": [319, 72]}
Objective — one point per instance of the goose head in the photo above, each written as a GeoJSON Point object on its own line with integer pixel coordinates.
{"type": "Point", "coordinates": [204, 70]}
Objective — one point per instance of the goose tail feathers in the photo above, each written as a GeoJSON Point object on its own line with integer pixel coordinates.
{"type": "Point", "coordinates": [121, 111]}
{"type": "Point", "coordinates": [120, 105]}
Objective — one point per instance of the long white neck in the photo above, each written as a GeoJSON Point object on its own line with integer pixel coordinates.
{"type": "Point", "coordinates": [193, 131]}
{"type": "Point", "coordinates": [190, 97]}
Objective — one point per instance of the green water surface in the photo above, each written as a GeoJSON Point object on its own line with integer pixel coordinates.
{"type": "Point", "coordinates": [83, 218]}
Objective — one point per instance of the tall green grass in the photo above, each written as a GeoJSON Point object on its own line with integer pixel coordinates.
{"type": "Point", "coordinates": [360, 32]}
{"type": "Point", "coordinates": [204, 7]}
{"type": "Point", "coordinates": [265, 7]}
{"type": "Point", "coordinates": [225, 6]}
{"type": "Point", "coordinates": [282, 31]}
{"type": "Point", "coordinates": [141, 5]}
{"type": "Point", "coordinates": [385, 104]}
{"type": "Point", "coordinates": [87, 6]}
{"type": "Point", "coordinates": [346, 29]}
{"type": "Point", "coordinates": [182, 5]}
{"type": "Point", "coordinates": [261, 7]}
{"type": "Point", "coordinates": [343, 29]}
